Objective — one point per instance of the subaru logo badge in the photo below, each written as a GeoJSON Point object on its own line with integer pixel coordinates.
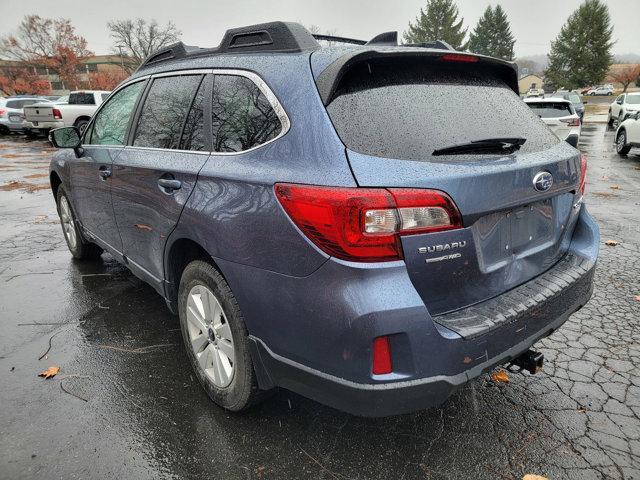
{"type": "Point", "coordinates": [542, 181]}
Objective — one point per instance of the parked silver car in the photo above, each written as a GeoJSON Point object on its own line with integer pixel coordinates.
{"type": "Point", "coordinates": [11, 114]}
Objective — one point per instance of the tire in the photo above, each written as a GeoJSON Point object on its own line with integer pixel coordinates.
{"type": "Point", "coordinates": [215, 329]}
{"type": "Point", "coordinates": [79, 247]}
{"type": "Point", "coordinates": [81, 125]}
{"type": "Point", "coordinates": [621, 143]}
{"type": "Point", "coordinates": [609, 119]}
{"type": "Point", "coordinates": [4, 130]}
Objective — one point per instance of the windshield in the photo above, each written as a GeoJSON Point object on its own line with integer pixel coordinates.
{"type": "Point", "coordinates": [407, 111]}
{"type": "Point", "coordinates": [634, 99]}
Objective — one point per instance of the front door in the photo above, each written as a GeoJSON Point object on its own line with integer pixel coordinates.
{"type": "Point", "coordinates": [154, 176]}
{"type": "Point", "coordinates": [90, 173]}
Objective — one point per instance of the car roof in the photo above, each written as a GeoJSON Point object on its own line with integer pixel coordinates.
{"type": "Point", "coordinates": [244, 44]}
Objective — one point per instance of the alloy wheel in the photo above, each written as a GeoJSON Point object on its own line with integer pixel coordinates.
{"type": "Point", "coordinates": [210, 336]}
{"type": "Point", "coordinates": [68, 225]}
{"type": "Point", "coordinates": [622, 140]}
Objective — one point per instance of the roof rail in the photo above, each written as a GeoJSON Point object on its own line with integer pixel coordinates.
{"type": "Point", "coordinates": [386, 38]}
{"type": "Point", "coordinates": [333, 38]}
{"type": "Point", "coordinates": [282, 37]}
{"type": "Point", "coordinates": [437, 44]}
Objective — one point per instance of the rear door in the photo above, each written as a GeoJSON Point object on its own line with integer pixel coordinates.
{"type": "Point", "coordinates": [394, 115]}
{"type": "Point", "coordinates": [154, 176]}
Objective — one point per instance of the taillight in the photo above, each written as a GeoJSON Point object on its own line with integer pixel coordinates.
{"type": "Point", "coordinates": [583, 174]}
{"type": "Point", "coordinates": [2, 112]}
{"type": "Point", "coordinates": [365, 224]}
{"type": "Point", "coordinates": [56, 113]}
{"type": "Point", "coordinates": [572, 122]}
{"type": "Point", "coordinates": [381, 356]}
{"type": "Point", "coordinates": [458, 57]}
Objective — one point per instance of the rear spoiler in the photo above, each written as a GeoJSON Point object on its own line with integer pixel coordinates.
{"type": "Point", "coordinates": [329, 80]}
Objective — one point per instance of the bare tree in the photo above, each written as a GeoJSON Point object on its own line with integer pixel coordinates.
{"type": "Point", "coordinates": [139, 38]}
{"type": "Point", "coordinates": [625, 75]}
{"type": "Point", "coordinates": [47, 42]}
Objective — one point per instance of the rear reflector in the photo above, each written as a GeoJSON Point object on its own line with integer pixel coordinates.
{"type": "Point", "coordinates": [381, 357]}
{"type": "Point", "coordinates": [365, 224]}
{"type": "Point", "coordinates": [583, 174]}
{"type": "Point", "coordinates": [56, 113]}
{"type": "Point", "coordinates": [457, 57]}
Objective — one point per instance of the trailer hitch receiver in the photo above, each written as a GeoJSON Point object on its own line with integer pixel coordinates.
{"type": "Point", "coordinates": [530, 361]}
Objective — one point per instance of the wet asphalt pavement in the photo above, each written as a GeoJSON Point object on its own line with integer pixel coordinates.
{"type": "Point", "coordinates": [126, 405]}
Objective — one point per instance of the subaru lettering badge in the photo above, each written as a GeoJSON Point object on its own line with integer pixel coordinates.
{"type": "Point", "coordinates": [542, 181]}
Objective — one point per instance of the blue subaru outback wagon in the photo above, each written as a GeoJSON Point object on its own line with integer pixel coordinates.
{"type": "Point", "coordinates": [370, 225]}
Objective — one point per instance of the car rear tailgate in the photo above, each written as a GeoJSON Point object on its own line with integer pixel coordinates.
{"type": "Point", "coordinates": [394, 115]}
{"type": "Point", "coordinates": [39, 113]}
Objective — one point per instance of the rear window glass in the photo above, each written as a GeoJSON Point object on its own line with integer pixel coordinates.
{"type": "Point", "coordinates": [81, 98]}
{"type": "Point", "coordinates": [22, 103]}
{"type": "Point", "coordinates": [406, 111]}
{"type": "Point", "coordinates": [550, 109]}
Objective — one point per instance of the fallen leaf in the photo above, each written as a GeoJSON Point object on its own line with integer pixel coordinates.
{"type": "Point", "coordinates": [637, 298]}
{"type": "Point", "coordinates": [615, 187]}
{"type": "Point", "coordinates": [49, 372]}
{"type": "Point", "coordinates": [531, 476]}
{"type": "Point", "coordinates": [604, 177]}
{"type": "Point", "coordinates": [582, 410]}
{"type": "Point", "coordinates": [611, 243]}
{"type": "Point", "coordinates": [500, 376]}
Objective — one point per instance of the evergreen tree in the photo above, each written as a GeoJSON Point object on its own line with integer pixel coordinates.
{"type": "Point", "coordinates": [439, 21]}
{"type": "Point", "coordinates": [492, 35]}
{"type": "Point", "coordinates": [581, 54]}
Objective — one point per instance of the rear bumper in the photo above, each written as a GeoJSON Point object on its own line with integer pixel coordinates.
{"type": "Point", "coordinates": [42, 126]}
{"type": "Point", "coordinates": [380, 400]}
{"type": "Point", "coordinates": [319, 345]}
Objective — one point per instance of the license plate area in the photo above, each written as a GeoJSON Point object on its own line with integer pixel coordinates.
{"type": "Point", "coordinates": [504, 236]}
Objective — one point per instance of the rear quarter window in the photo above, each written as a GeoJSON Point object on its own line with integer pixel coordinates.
{"type": "Point", "coordinates": [409, 110]}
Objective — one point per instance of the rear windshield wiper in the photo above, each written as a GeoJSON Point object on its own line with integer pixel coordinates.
{"type": "Point", "coordinates": [486, 146]}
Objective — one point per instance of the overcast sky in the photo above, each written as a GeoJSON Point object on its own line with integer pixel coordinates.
{"type": "Point", "coordinates": [534, 22]}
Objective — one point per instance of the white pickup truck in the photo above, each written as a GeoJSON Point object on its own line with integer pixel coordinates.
{"type": "Point", "coordinates": [42, 117]}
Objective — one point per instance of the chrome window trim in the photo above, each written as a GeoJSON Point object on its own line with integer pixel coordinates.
{"type": "Point", "coordinates": [254, 77]}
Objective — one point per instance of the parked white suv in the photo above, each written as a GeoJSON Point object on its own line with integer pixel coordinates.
{"type": "Point", "coordinates": [628, 134]}
{"type": "Point", "coordinates": [559, 115]}
{"type": "Point", "coordinates": [623, 106]}
{"type": "Point", "coordinates": [75, 113]}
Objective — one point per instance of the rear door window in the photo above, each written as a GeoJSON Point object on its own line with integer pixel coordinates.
{"type": "Point", "coordinates": [551, 109]}
{"type": "Point", "coordinates": [193, 137]}
{"type": "Point", "coordinates": [242, 117]}
{"type": "Point", "coordinates": [408, 110]}
{"type": "Point", "coordinates": [165, 110]}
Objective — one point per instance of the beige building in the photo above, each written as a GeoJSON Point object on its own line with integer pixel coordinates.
{"type": "Point", "coordinates": [528, 82]}
{"type": "Point", "coordinates": [98, 63]}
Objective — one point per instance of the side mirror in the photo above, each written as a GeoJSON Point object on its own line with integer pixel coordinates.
{"type": "Point", "coordinates": [65, 137]}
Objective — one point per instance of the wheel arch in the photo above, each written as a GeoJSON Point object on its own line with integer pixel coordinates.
{"type": "Point", "coordinates": [178, 254]}
{"type": "Point", "coordinates": [55, 182]}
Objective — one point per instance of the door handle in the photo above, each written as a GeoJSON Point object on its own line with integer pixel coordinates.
{"type": "Point", "coordinates": [170, 184]}
{"type": "Point", "coordinates": [104, 173]}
